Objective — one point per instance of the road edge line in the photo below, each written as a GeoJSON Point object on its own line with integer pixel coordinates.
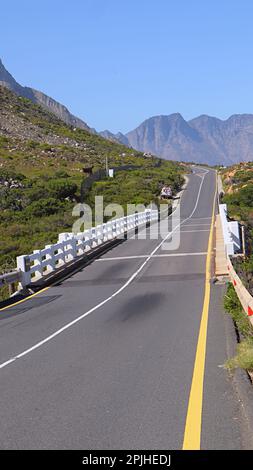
{"type": "Point", "coordinates": [193, 424]}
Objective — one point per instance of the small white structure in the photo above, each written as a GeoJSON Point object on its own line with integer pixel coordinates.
{"type": "Point", "coordinates": [231, 232]}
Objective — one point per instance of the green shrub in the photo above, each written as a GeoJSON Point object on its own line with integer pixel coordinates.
{"type": "Point", "coordinates": [10, 174]}
{"type": "Point", "coordinates": [61, 174]}
{"type": "Point", "coordinates": [243, 197]}
{"type": "Point", "coordinates": [62, 188]}
{"type": "Point", "coordinates": [43, 207]}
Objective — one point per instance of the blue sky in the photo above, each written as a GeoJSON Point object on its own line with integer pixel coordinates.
{"type": "Point", "coordinates": [115, 63]}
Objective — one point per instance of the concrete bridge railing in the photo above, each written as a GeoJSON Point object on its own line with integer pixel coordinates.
{"type": "Point", "coordinates": [70, 247]}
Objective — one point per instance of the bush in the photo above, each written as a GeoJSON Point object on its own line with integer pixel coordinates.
{"type": "Point", "coordinates": [243, 197]}
{"type": "Point", "coordinates": [43, 207]}
{"type": "Point", "coordinates": [62, 188]}
{"type": "Point", "coordinates": [9, 174]}
{"type": "Point", "coordinates": [61, 174]}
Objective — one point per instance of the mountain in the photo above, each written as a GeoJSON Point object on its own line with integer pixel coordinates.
{"type": "Point", "coordinates": [204, 139]}
{"type": "Point", "coordinates": [169, 137]}
{"type": "Point", "coordinates": [119, 138]}
{"type": "Point", "coordinates": [110, 136]}
{"type": "Point", "coordinates": [48, 103]}
{"type": "Point", "coordinates": [231, 140]}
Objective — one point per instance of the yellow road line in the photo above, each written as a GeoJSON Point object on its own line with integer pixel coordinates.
{"type": "Point", "coordinates": [25, 299]}
{"type": "Point", "coordinates": [192, 433]}
{"type": "Point", "coordinates": [41, 290]}
{"type": "Point", "coordinates": [76, 270]}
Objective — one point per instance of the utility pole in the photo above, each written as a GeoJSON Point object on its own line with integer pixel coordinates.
{"type": "Point", "coordinates": [106, 165]}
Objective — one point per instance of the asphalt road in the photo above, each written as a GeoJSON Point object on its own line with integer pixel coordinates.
{"type": "Point", "coordinates": [120, 375]}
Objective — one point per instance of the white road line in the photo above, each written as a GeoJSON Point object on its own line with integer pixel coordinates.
{"type": "Point", "coordinates": [194, 231]}
{"type": "Point", "coordinates": [197, 225]}
{"type": "Point", "coordinates": [180, 254]}
{"type": "Point", "coordinates": [201, 218]}
{"type": "Point", "coordinates": [135, 237]}
{"type": "Point", "coordinates": [166, 255]}
{"type": "Point", "coordinates": [116, 293]}
{"type": "Point", "coordinates": [116, 258]}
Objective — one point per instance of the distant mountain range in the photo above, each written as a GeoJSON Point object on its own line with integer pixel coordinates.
{"type": "Point", "coordinates": [204, 139]}
{"type": "Point", "coordinates": [7, 80]}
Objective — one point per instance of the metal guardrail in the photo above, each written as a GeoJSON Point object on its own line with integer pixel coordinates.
{"type": "Point", "coordinates": [244, 296]}
{"type": "Point", "coordinates": [10, 279]}
{"type": "Point", "coordinates": [70, 247]}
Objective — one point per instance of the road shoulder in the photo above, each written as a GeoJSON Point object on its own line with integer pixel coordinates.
{"type": "Point", "coordinates": [225, 425]}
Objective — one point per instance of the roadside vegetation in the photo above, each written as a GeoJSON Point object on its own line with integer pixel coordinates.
{"type": "Point", "coordinates": [238, 185]}
{"type": "Point", "coordinates": [244, 353]}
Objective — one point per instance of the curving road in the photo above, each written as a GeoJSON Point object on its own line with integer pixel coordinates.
{"type": "Point", "coordinates": [105, 359]}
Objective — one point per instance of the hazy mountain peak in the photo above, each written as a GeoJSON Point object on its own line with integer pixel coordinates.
{"type": "Point", "coordinates": [204, 139]}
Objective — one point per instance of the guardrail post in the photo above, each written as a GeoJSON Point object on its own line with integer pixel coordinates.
{"type": "Point", "coordinates": [87, 236]}
{"type": "Point", "coordinates": [74, 247]}
{"type": "Point", "coordinates": [23, 265]}
{"type": "Point", "coordinates": [114, 234]}
{"type": "Point", "coordinates": [11, 288]}
{"type": "Point", "coordinates": [38, 264]}
{"type": "Point", "coordinates": [51, 258]}
{"type": "Point", "coordinates": [99, 234]}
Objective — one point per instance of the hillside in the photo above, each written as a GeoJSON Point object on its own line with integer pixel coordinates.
{"type": "Point", "coordinates": [204, 139]}
{"type": "Point", "coordinates": [7, 80]}
{"type": "Point", "coordinates": [41, 173]}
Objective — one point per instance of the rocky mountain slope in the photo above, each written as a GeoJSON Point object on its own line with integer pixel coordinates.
{"type": "Point", "coordinates": [7, 80]}
{"type": "Point", "coordinates": [34, 138]}
{"type": "Point", "coordinates": [204, 139]}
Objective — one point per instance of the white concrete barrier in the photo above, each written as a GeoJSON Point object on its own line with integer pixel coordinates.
{"type": "Point", "coordinates": [231, 232]}
{"type": "Point", "coordinates": [69, 247]}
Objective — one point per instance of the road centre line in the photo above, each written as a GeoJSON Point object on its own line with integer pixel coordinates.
{"type": "Point", "coordinates": [165, 255]}
{"type": "Point", "coordinates": [135, 237]}
{"type": "Point", "coordinates": [197, 225]}
{"type": "Point", "coordinates": [193, 231]}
